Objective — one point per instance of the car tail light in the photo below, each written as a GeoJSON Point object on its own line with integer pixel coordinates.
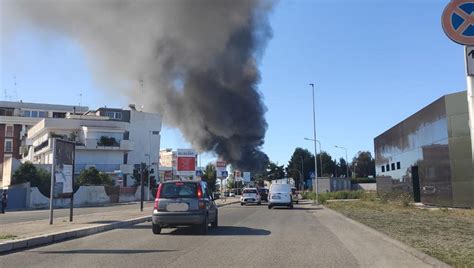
{"type": "Point", "coordinates": [199, 191]}
{"type": "Point", "coordinates": [157, 198]}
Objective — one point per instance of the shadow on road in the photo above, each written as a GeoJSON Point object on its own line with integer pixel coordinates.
{"type": "Point", "coordinates": [103, 251]}
{"type": "Point", "coordinates": [222, 231]}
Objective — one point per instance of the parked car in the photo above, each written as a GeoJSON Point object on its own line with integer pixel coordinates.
{"type": "Point", "coordinates": [217, 195]}
{"type": "Point", "coordinates": [263, 194]}
{"type": "Point", "coordinates": [250, 196]}
{"type": "Point", "coordinates": [280, 195]}
{"type": "Point", "coordinates": [226, 194]}
{"type": "Point", "coordinates": [184, 203]}
{"type": "Point", "coordinates": [231, 194]}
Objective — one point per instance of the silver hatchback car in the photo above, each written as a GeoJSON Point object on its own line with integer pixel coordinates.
{"type": "Point", "coordinates": [184, 203]}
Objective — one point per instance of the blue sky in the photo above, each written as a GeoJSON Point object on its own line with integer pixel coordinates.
{"type": "Point", "coordinates": [373, 63]}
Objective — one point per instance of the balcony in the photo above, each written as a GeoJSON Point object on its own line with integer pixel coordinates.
{"type": "Point", "coordinates": [106, 168]}
{"type": "Point", "coordinates": [95, 144]}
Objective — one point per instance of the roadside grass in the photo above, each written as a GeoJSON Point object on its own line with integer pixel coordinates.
{"type": "Point", "coordinates": [447, 235]}
{"type": "Point", "coordinates": [7, 236]}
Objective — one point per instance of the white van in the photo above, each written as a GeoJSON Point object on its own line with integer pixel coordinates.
{"type": "Point", "coordinates": [280, 195]}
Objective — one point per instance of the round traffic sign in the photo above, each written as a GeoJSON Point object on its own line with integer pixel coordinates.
{"type": "Point", "coordinates": [458, 21]}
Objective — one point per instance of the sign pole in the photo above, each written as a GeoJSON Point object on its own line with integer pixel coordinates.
{"type": "Point", "coordinates": [469, 53]}
{"type": "Point", "coordinates": [51, 189]}
{"type": "Point", "coordinates": [142, 189]}
{"type": "Point", "coordinates": [72, 193]}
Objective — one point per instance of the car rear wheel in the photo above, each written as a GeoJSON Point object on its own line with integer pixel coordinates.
{"type": "Point", "coordinates": [203, 227]}
{"type": "Point", "coordinates": [215, 223]}
{"type": "Point", "coordinates": [156, 228]}
{"type": "Point", "coordinates": [259, 203]}
{"type": "Point", "coordinates": [269, 206]}
{"type": "Point", "coordinates": [291, 205]}
{"type": "Point", "coordinates": [242, 204]}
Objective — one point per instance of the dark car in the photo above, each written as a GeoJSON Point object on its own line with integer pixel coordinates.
{"type": "Point", "coordinates": [263, 194]}
{"type": "Point", "coordinates": [184, 203]}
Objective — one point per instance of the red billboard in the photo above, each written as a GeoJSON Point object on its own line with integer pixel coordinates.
{"type": "Point", "coordinates": [186, 163]}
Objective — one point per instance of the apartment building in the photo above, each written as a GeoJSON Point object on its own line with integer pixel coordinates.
{"type": "Point", "coordinates": [17, 117]}
{"type": "Point", "coordinates": [110, 139]}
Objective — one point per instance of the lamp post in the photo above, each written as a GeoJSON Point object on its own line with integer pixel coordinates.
{"type": "Point", "coordinates": [315, 185]}
{"type": "Point", "coordinates": [347, 163]}
{"type": "Point", "coordinates": [320, 156]}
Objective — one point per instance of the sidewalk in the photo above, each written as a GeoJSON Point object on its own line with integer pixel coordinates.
{"type": "Point", "coordinates": [38, 232]}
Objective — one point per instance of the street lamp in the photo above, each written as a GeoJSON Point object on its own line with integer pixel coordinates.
{"type": "Point", "coordinates": [320, 154]}
{"type": "Point", "coordinates": [315, 185]}
{"type": "Point", "coordinates": [347, 163]}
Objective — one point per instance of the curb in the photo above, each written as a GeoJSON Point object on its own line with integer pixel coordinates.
{"type": "Point", "coordinates": [408, 249]}
{"type": "Point", "coordinates": [60, 236]}
{"type": "Point", "coordinates": [76, 233]}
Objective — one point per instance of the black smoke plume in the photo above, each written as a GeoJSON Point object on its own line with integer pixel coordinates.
{"type": "Point", "coordinates": [197, 59]}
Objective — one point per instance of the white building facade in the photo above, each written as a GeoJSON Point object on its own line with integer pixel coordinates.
{"type": "Point", "coordinates": [111, 140]}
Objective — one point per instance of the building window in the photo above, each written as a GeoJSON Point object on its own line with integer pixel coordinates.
{"type": "Point", "coordinates": [387, 167]}
{"type": "Point", "coordinates": [26, 113]}
{"type": "Point", "coordinates": [383, 168]}
{"type": "Point", "coordinates": [398, 165]}
{"type": "Point", "coordinates": [114, 115]}
{"type": "Point", "coordinates": [59, 115]}
{"type": "Point", "coordinates": [42, 114]}
{"type": "Point", "coordinates": [6, 111]}
{"type": "Point", "coordinates": [8, 146]}
{"type": "Point", "coordinates": [34, 113]}
{"type": "Point", "coordinates": [125, 158]}
{"type": "Point", "coordinates": [393, 166]}
{"type": "Point", "coordinates": [9, 131]}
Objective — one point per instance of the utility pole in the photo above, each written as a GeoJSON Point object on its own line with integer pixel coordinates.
{"type": "Point", "coordinates": [315, 185]}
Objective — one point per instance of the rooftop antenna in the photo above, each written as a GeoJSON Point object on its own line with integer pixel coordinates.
{"type": "Point", "coordinates": [143, 95]}
{"type": "Point", "coordinates": [80, 100]}
{"type": "Point", "coordinates": [15, 92]}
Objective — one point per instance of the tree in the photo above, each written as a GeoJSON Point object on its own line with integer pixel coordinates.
{"type": "Point", "coordinates": [300, 164]}
{"type": "Point", "coordinates": [274, 171]}
{"type": "Point", "coordinates": [341, 168]}
{"type": "Point", "coordinates": [329, 166]}
{"type": "Point", "coordinates": [209, 176]}
{"type": "Point", "coordinates": [37, 177]}
{"type": "Point", "coordinates": [230, 182]}
{"type": "Point", "coordinates": [92, 176]}
{"type": "Point", "coordinates": [363, 164]}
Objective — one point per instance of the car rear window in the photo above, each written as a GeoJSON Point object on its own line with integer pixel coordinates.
{"type": "Point", "coordinates": [179, 189]}
{"type": "Point", "coordinates": [280, 188]}
{"type": "Point", "coordinates": [250, 191]}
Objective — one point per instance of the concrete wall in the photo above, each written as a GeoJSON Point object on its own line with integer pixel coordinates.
{"type": "Point", "coordinates": [85, 196]}
{"type": "Point", "coordinates": [364, 186]}
{"type": "Point", "coordinates": [10, 164]}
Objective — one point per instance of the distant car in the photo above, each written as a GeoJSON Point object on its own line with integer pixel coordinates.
{"type": "Point", "coordinates": [250, 196]}
{"type": "Point", "coordinates": [231, 194]}
{"type": "Point", "coordinates": [280, 195]}
{"type": "Point", "coordinates": [184, 203]}
{"type": "Point", "coordinates": [263, 194]}
{"type": "Point", "coordinates": [217, 195]}
{"type": "Point", "coordinates": [226, 194]}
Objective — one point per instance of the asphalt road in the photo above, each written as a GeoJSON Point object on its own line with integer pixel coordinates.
{"type": "Point", "coordinates": [250, 236]}
{"type": "Point", "coordinates": [34, 215]}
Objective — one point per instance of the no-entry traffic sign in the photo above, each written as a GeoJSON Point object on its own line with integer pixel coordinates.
{"type": "Point", "coordinates": [458, 21]}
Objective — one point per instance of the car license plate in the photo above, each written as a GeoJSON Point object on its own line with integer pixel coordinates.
{"type": "Point", "coordinates": [175, 207]}
{"type": "Point", "coordinates": [276, 197]}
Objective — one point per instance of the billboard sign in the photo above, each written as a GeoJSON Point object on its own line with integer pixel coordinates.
{"type": "Point", "coordinates": [186, 162]}
{"type": "Point", "coordinates": [221, 166]}
{"type": "Point", "coordinates": [246, 177]}
{"type": "Point", "coordinates": [63, 167]}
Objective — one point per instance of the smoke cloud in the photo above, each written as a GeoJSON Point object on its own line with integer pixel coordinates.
{"type": "Point", "coordinates": [197, 59]}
